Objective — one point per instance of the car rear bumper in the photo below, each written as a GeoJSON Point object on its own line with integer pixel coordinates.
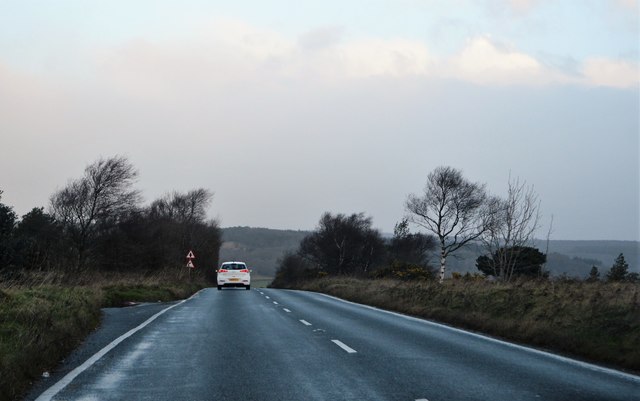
{"type": "Point", "coordinates": [234, 284]}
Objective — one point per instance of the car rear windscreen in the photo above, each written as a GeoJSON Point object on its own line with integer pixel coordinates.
{"type": "Point", "coordinates": [234, 266]}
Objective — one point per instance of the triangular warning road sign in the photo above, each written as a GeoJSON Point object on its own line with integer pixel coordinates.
{"type": "Point", "coordinates": [190, 255]}
{"type": "Point", "coordinates": [190, 264]}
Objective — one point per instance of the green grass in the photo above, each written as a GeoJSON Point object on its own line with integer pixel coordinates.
{"type": "Point", "coordinates": [599, 322]}
{"type": "Point", "coordinates": [119, 295]}
{"type": "Point", "coordinates": [43, 321]}
{"type": "Point", "coordinates": [39, 327]}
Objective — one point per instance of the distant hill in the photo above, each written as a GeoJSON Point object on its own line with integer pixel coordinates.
{"type": "Point", "coordinates": [261, 248]}
{"type": "Point", "coordinates": [604, 251]}
{"type": "Point", "coordinates": [573, 258]}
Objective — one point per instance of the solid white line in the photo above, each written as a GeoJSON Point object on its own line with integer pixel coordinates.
{"type": "Point", "coordinates": [344, 346]}
{"type": "Point", "coordinates": [422, 399]}
{"type": "Point", "coordinates": [275, 303]}
{"type": "Point", "coordinates": [589, 366]}
{"type": "Point", "coordinates": [286, 310]}
{"type": "Point", "coordinates": [305, 322]}
{"type": "Point", "coordinates": [56, 388]}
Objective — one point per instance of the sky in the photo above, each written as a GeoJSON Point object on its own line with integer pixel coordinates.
{"type": "Point", "coordinates": [287, 109]}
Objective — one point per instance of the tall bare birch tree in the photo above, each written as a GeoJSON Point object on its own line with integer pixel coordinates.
{"type": "Point", "coordinates": [515, 221]}
{"type": "Point", "coordinates": [452, 208]}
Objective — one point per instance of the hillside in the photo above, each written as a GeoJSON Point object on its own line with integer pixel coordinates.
{"type": "Point", "coordinates": [261, 248]}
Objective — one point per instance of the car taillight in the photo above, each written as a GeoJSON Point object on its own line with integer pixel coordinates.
{"type": "Point", "coordinates": [244, 271]}
{"type": "Point", "coordinates": [223, 271]}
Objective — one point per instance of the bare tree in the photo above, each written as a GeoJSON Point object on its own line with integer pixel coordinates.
{"type": "Point", "coordinates": [514, 221]}
{"type": "Point", "coordinates": [343, 244]}
{"type": "Point", "coordinates": [452, 208]}
{"type": "Point", "coordinates": [96, 201]}
{"type": "Point", "coordinates": [190, 207]}
{"type": "Point", "coordinates": [182, 217]}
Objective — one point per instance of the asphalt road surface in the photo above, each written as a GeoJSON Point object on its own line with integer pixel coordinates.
{"type": "Point", "coordinates": [268, 344]}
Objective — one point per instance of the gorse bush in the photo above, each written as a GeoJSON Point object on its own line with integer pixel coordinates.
{"type": "Point", "coordinates": [404, 271]}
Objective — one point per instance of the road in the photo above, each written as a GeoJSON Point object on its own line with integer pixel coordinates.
{"type": "Point", "coordinates": [268, 344]}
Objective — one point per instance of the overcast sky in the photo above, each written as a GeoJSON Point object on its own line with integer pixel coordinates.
{"type": "Point", "coordinates": [286, 109]}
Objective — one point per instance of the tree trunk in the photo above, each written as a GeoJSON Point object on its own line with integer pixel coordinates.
{"type": "Point", "coordinates": [443, 262]}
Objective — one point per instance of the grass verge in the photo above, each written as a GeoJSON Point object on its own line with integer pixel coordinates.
{"type": "Point", "coordinates": [43, 321]}
{"type": "Point", "coordinates": [599, 322]}
{"type": "Point", "coordinates": [261, 282]}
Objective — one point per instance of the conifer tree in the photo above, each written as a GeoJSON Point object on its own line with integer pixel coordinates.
{"type": "Point", "coordinates": [619, 270]}
{"type": "Point", "coordinates": [594, 275]}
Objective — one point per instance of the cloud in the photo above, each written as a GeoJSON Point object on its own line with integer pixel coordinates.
{"type": "Point", "coordinates": [377, 57]}
{"type": "Point", "coordinates": [511, 8]}
{"type": "Point", "coordinates": [322, 37]}
{"type": "Point", "coordinates": [323, 52]}
{"type": "Point", "coordinates": [522, 6]}
{"type": "Point", "coordinates": [484, 62]}
{"type": "Point", "coordinates": [612, 73]}
{"type": "Point", "coordinates": [236, 106]}
{"type": "Point", "coordinates": [629, 5]}
{"type": "Point", "coordinates": [232, 52]}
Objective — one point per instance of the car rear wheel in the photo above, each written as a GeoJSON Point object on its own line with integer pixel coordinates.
{"type": "Point", "coordinates": [247, 287]}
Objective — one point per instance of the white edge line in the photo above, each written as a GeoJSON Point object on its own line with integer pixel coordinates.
{"type": "Point", "coordinates": [62, 383]}
{"type": "Point", "coordinates": [587, 365]}
{"type": "Point", "coordinates": [286, 310]}
{"type": "Point", "coordinates": [344, 346]}
{"type": "Point", "coordinates": [305, 322]}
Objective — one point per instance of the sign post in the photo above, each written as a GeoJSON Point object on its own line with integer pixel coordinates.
{"type": "Point", "coordinates": [190, 265]}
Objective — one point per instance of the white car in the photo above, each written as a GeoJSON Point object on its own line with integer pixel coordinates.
{"type": "Point", "coordinates": [234, 274]}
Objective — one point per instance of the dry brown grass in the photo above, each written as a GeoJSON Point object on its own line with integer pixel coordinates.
{"type": "Point", "coordinates": [594, 321]}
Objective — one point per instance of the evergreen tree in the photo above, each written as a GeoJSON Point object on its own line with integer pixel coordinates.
{"type": "Point", "coordinates": [594, 275]}
{"type": "Point", "coordinates": [619, 270]}
{"type": "Point", "coordinates": [7, 223]}
{"type": "Point", "coordinates": [39, 240]}
{"type": "Point", "coordinates": [526, 262]}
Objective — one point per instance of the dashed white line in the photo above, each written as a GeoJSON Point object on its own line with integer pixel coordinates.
{"type": "Point", "coordinates": [275, 303]}
{"type": "Point", "coordinates": [305, 322]}
{"type": "Point", "coordinates": [266, 296]}
{"type": "Point", "coordinates": [344, 346]}
{"type": "Point", "coordinates": [596, 368]}
{"type": "Point", "coordinates": [261, 293]}
{"type": "Point", "coordinates": [286, 310]}
{"type": "Point", "coordinates": [422, 399]}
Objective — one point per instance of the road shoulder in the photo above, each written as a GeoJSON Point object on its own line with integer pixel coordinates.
{"type": "Point", "coordinates": [114, 323]}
